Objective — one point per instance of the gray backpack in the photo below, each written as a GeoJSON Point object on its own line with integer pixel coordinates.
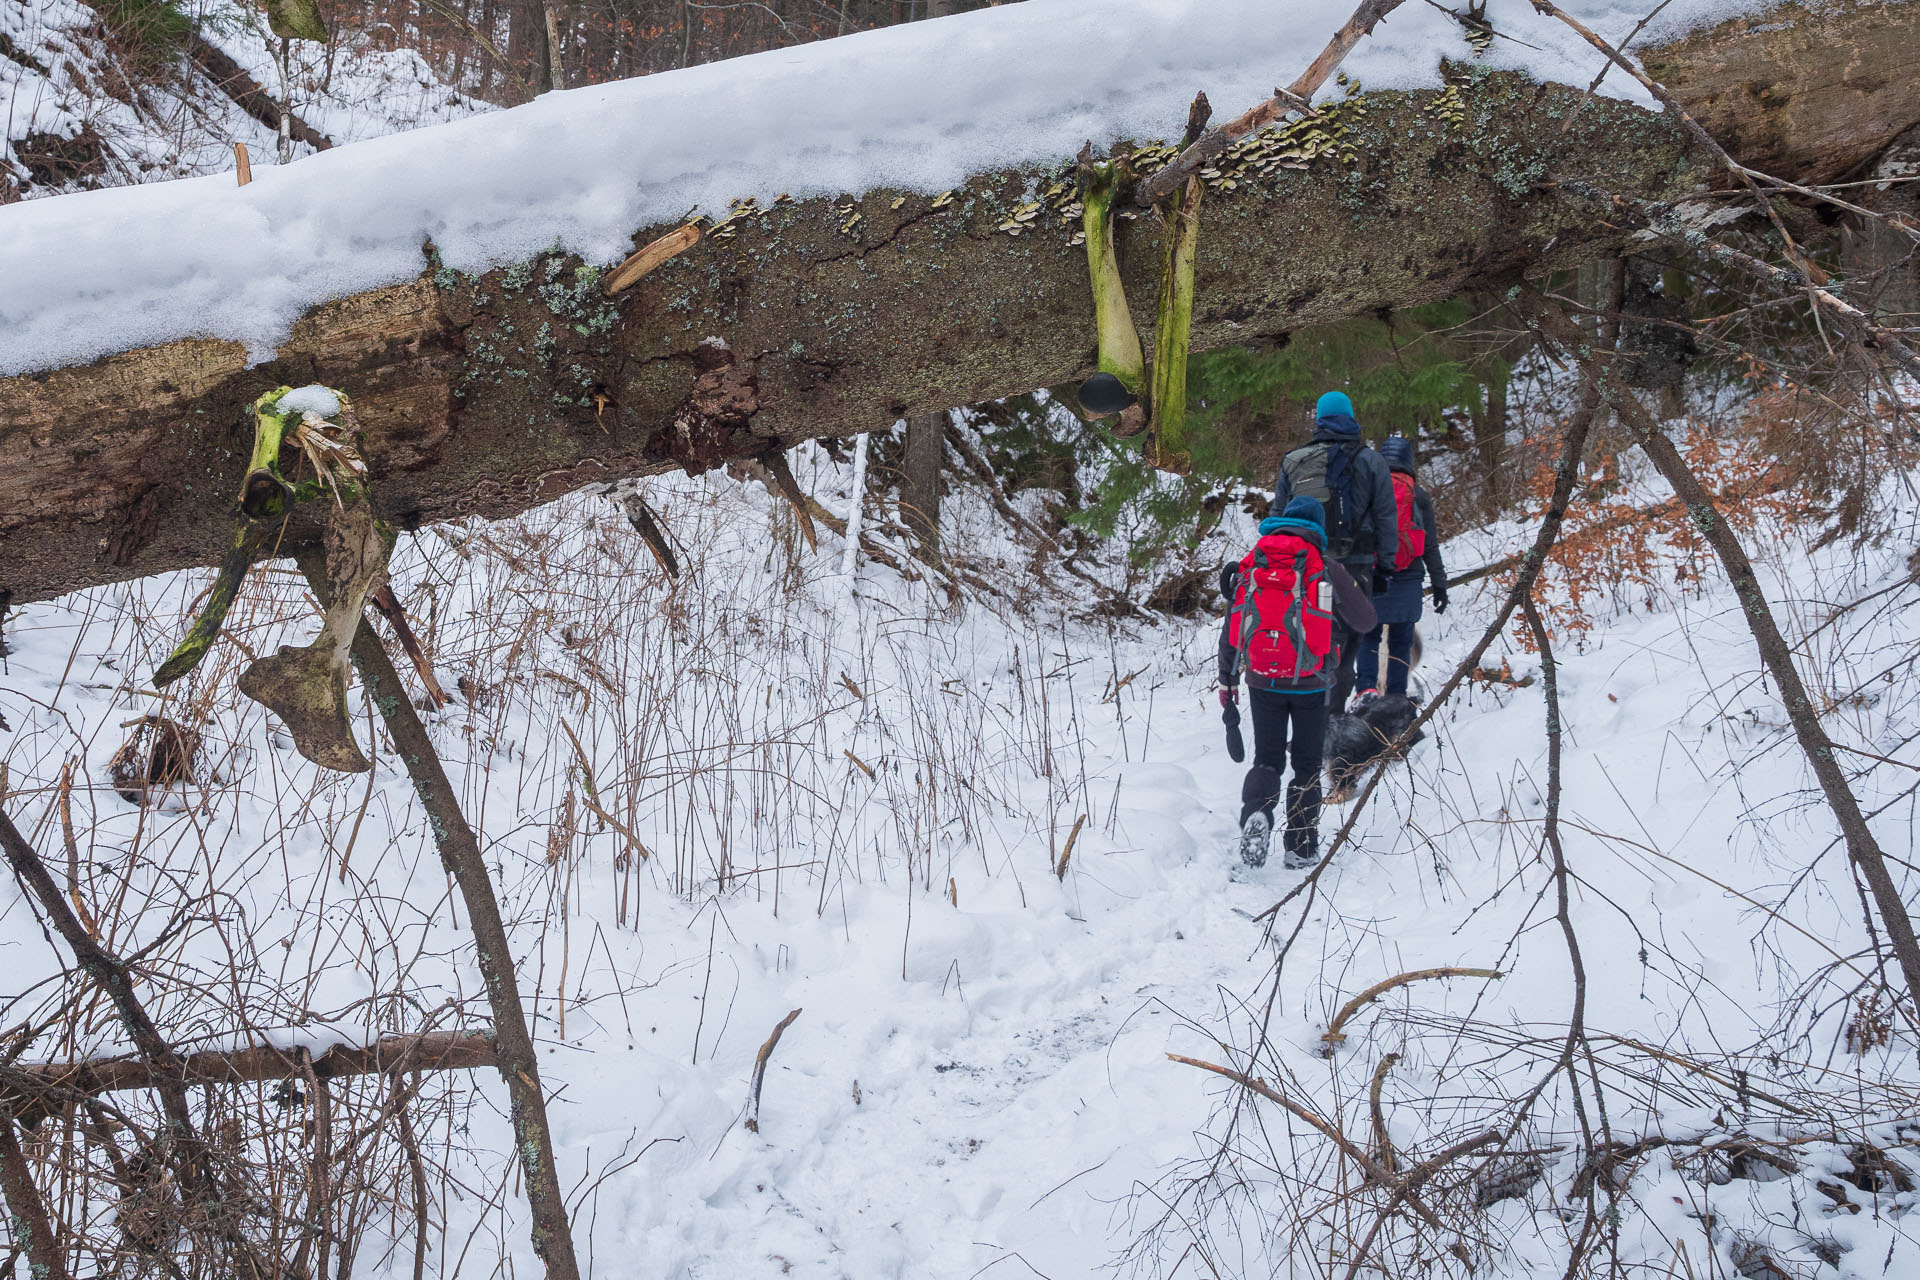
{"type": "Point", "coordinates": [1323, 471]}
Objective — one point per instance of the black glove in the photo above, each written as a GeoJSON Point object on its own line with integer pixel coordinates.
{"type": "Point", "coordinates": [1439, 599]}
{"type": "Point", "coordinates": [1381, 581]}
{"type": "Point", "coordinates": [1230, 716]}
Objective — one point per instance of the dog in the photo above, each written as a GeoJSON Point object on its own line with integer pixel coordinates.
{"type": "Point", "coordinates": [1362, 736]}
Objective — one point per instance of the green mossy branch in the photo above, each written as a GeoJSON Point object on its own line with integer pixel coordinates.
{"type": "Point", "coordinates": [1120, 353]}
{"type": "Point", "coordinates": [264, 501]}
{"type": "Point", "coordinates": [1173, 329]}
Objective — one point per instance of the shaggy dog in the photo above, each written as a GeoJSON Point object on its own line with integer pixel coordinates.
{"type": "Point", "coordinates": [1356, 740]}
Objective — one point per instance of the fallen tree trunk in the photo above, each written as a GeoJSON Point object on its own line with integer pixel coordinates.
{"type": "Point", "coordinates": [35, 1090]}
{"type": "Point", "coordinates": [487, 395]}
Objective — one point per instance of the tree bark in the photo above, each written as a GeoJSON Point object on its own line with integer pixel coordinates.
{"type": "Point", "coordinates": [460, 852]}
{"type": "Point", "coordinates": [29, 1226]}
{"type": "Point", "coordinates": [920, 479]}
{"type": "Point", "coordinates": [106, 469]}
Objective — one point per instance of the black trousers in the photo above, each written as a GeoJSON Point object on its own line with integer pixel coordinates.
{"type": "Point", "coordinates": [1287, 728]}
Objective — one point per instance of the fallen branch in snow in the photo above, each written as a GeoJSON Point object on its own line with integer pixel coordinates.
{"type": "Point", "coordinates": [1334, 1035]}
{"type": "Point", "coordinates": [1296, 97]}
{"type": "Point", "coordinates": [760, 1070]}
{"type": "Point", "coordinates": [1382, 1140]}
{"type": "Point", "coordinates": [1066, 854]}
{"type": "Point", "coordinates": [247, 94]}
{"type": "Point", "coordinates": [1374, 1170]}
{"type": "Point", "coordinates": [36, 1089]}
{"type": "Point", "coordinates": [389, 607]}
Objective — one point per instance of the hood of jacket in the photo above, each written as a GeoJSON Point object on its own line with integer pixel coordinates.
{"type": "Point", "coordinates": [1336, 426]}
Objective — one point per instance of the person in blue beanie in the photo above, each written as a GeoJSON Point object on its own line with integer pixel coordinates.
{"type": "Point", "coordinates": [1352, 483]}
{"type": "Point", "coordinates": [1286, 600]}
{"type": "Point", "coordinates": [1399, 606]}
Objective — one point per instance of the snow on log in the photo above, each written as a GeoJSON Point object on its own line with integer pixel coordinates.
{"type": "Point", "coordinates": [491, 377]}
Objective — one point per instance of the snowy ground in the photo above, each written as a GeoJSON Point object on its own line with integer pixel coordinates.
{"type": "Point", "coordinates": [977, 1083]}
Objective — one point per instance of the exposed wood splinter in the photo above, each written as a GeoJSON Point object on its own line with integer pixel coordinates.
{"type": "Point", "coordinates": [677, 241]}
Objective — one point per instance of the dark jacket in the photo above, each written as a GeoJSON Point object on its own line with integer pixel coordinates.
{"type": "Point", "coordinates": [1350, 604]}
{"type": "Point", "coordinates": [1372, 525]}
{"type": "Point", "coordinates": [1401, 602]}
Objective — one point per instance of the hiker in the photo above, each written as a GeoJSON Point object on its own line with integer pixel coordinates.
{"type": "Point", "coordinates": [1285, 598]}
{"type": "Point", "coordinates": [1418, 556]}
{"type": "Point", "coordinates": [1351, 482]}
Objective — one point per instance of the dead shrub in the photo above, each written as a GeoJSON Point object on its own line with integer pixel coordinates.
{"type": "Point", "coordinates": [160, 753]}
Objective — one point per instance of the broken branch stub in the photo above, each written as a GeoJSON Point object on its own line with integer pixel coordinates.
{"type": "Point", "coordinates": [1120, 353]}
{"type": "Point", "coordinates": [307, 687]}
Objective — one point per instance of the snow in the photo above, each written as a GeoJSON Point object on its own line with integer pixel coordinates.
{"type": "Point", "coordinates": [917, 107]}
{"type": "Point", "coordinates": [978, 1076]}
{"type": "Point", "coordinates": [67, 79]}
{"type": "Point", "coordinates": [313, 398]}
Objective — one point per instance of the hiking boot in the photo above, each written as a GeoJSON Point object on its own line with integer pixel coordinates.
{"type": "Point", "coordinates": [1361, 699]}
{"type": "Point", "coordinates": [1302, 835]}
{"type": "Point", "coordinates": [1255, 834]}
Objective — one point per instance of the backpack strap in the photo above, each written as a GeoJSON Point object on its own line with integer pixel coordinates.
{"type": "Point", "coordinates": [1295, 618]}
{"type": "Point", "coordinates": [1249, 614]}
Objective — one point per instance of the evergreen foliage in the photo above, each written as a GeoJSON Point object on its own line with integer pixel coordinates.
{"type": "Point", "coordinates": [153, 28]}
{"type": "Point", "coordinates": [1402, 372]}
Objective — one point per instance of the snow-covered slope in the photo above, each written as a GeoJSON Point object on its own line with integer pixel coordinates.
{"type": "Point", "coordinates": [917, 107]}
{"type": "Point", "coordinates": [854, 804]}
{"type": "Point", "coordinates": [79, 110]}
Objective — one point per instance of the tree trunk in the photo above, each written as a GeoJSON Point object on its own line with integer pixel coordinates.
{"type": "Point", "coordinates": [920, 479]}
{"type": "Point", "coordinates": [119, 468]}
{"type": "Point", "coordinates": [556, 73]}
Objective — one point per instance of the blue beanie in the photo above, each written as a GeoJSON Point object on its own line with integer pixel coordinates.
{"type": "Point", "coordinates": [1305, 508]}
{"type": "Point", "coordinates": [1333, 403]}
{"type": "Point", "coordinates": [1398, 451]}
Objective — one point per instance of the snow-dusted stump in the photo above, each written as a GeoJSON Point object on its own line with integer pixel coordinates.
{"type": "Point", "coordinates": [488, 394]}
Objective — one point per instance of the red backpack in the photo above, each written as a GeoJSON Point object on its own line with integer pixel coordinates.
{"type": "Point", "coordinates": [1413, 539]}
{"type": "Point", "coordinates": [1282, 619]}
